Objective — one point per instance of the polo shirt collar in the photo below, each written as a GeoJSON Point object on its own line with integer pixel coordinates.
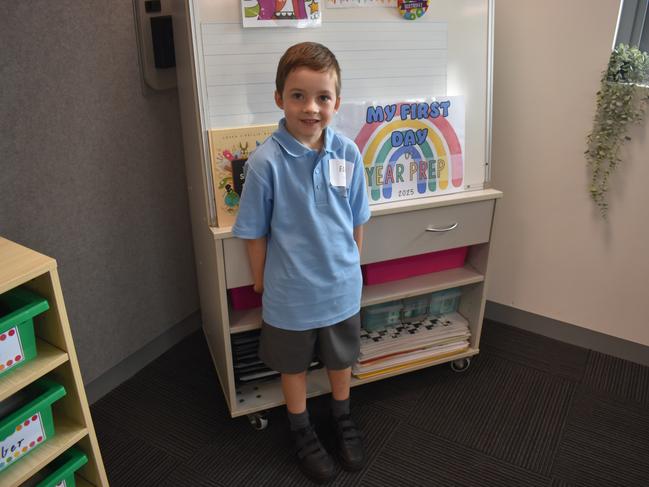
{"type": "Point", "coordinates": [295, 148]}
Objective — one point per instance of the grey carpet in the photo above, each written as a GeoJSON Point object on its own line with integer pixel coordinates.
{"type": "Point", "coordinates": [529, 411]}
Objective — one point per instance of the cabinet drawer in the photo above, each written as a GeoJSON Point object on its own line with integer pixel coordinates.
{"type": "Point", "coordinates": [392, 236]}
{"type": "Point", "coordinates": [405, 234]}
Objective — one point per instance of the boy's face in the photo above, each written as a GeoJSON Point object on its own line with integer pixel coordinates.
{"type": "Point", "coordinates": [309, 102]}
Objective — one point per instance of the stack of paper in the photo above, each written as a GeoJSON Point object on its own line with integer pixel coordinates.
{"type": "Point", "coordinates": [410, 344]}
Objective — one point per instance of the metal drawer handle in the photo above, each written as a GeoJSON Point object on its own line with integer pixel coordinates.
{"type": "Point", "coordinates": [442, 229]}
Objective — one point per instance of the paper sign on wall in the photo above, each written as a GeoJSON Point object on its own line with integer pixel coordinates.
{"type": "Point", "coordinates": [410, 149]}
{"type": "Point", "coordinates": [281, 13]}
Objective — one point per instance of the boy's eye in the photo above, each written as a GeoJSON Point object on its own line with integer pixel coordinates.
{"type": "Point", "coordinates": [325, 98]}
{"type": "Point", "coordinates": [296, 96]}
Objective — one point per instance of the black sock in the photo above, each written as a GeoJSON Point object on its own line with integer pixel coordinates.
{"type": "Point", "coordinates": [299, 420]}
{"type": "Point", "coordinates": [339, 408]}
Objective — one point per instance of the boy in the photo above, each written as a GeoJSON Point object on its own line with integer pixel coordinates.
{"type": "Point", "coordinates": [301, 213]}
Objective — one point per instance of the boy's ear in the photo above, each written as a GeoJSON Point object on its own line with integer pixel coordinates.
{"type": "Point", "coordinates": [278, 100]}
{"type": "Point", "coordinates": [337, 105]}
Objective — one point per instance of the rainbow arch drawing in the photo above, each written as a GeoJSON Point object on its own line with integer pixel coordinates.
{"type": "Point", "coordinates": [442, 145]}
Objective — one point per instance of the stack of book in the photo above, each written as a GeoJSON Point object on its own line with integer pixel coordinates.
{"type": "Point", "coordinates": [406, 345]}
{"type": "Point", "coordinates": [247, 365]}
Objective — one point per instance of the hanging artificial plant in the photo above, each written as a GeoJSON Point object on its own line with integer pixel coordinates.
{"type": "Point", "coordinates": [621, 101]}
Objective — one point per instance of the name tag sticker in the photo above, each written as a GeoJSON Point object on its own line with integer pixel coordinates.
{"type": "Point", "coordinates": [337, 172]}
{"type": "Point", "coordinates": [349, 166]}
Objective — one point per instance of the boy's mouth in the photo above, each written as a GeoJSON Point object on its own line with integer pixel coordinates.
{"type": "Point", "coordinates": [310, 121]}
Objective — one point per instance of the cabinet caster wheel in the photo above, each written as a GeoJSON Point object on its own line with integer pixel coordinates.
{"type": "Point", "coordinates": [258, 421]}
{"type": "Point", "coordinates": [460, 365]}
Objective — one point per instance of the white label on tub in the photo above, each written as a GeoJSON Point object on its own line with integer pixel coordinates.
{"type": "Point", "coordinates": [27, 435]}
{"type": "Point", "coordinates": [11, 350]}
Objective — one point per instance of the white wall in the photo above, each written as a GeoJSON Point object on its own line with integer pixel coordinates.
{"type": "Point", "coordinates": [553, 255]}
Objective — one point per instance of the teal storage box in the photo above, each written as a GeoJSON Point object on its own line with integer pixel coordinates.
{"type": "Point", "coordinates": [17, 342]}
{"type": "Point", "coordinates": [27, 422]}
{"type": "Point", "coordinates": [60, 473]}
{"type": "Point", "coordinates": [416, 307]}
{"type": "Point", "coordinates": [444, 302]}
{"type": "Point", "coordinates": [378, 316]}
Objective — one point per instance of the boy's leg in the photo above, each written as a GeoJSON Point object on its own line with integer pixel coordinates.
{"type": "Point", "coordinates": [338, 348]}
{"type": "Point", "coordinates": [350, 443]}
{"type": "Point", "coordinates": [290, 353]}
{"type": "Point", "coordinates": [313, 459]}
{"type": "Point", "coordinates": [294, 389]}
{"type": "Point", "coordinates": [340, 381]}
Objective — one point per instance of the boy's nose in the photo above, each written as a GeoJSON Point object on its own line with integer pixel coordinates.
{"type": "Point", "coordinates": [310, 106]}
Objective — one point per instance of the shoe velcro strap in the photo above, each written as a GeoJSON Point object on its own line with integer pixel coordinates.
{"type": "Point", "coordinates": [308, 444]}
{"type": "Point", "coordinates": [348, 428]}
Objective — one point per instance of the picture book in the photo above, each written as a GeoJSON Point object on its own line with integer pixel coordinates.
{"type": "Point", "coordinates": [229, 149]}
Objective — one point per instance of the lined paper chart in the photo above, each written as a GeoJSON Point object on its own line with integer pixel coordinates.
{"type": "Point", "coordinates": [378, 60]}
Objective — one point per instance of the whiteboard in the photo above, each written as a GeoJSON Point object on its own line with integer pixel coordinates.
{"type": "Point", "coordinates": [447, 52]}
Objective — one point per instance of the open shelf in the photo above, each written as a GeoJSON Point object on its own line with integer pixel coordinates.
{"type": "Point", "coordinates": [81, 482]}
{"type": "Point", "coordinates": [415, 286]}
{"type": "Point", "coordinates": [262, 395]}
{"type": "Point", "coordinates": [244, 319]}
{"type": "Point", "coordinates": [19, 264]}
{"type": "Point", "coordinates": [67, 433]}
{"type": "Point", "coordinates": [250, 319]}
{"type": "Point", "coordinates": [48, 358]}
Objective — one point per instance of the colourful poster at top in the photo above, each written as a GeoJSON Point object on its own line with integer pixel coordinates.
{"type": "Point", "coordinates": [281, 13]}
{"type": "Point", "coordinates": [410, 149]}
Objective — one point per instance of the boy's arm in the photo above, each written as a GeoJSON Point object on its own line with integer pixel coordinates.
{"type": "Point", "coordinates": [358, 237]}
{"type": "Point", "coordinates": [257, 258]}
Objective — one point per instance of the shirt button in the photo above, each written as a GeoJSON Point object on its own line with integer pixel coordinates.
{"type": "Point", "coordinates": [317, 187]}
{"type": "Point", "coordinates": [317, 171]}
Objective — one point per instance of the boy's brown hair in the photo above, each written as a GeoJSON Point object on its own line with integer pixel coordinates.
{"type": "Point", "coordinates": [309, 55]}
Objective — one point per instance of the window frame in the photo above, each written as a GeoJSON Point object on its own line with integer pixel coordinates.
{"type": "Point", "coordinates": [633, 24]}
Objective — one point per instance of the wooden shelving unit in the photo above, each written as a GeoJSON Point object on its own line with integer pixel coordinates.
{"type": "Point", "coordinates": [20, 266]}
{"type": "Point", "coordinates": [474, 214]}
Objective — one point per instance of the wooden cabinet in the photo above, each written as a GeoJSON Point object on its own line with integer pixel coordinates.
{"type": "Point", "coordinates": [20, 266]}
{"type": "Point", "coordinates": [395, 230]}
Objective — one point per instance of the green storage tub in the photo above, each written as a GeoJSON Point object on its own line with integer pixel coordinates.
{"type": "Point", "coordinates": [17, 343]}
{"type": "Point", "coordinates": [29, 424]}
{"type": "Point", "coordinates": [60, 473]}
{"type": "Point", "coordinates": [444, 302]}
{"type": "Point", "coordinates": [378, 316]}
{"type": "Point", "coordinates": [416, 308]}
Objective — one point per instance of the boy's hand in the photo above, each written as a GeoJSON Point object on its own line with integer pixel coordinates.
{"type": "Point", "coordinates": [258, 288]}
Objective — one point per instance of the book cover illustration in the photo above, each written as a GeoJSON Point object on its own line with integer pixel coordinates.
{"type": "Point", "coordinates": [229, 150]}
{"type": "Point", "coordinates": [281, 13]}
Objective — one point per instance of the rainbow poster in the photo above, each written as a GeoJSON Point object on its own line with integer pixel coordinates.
{"type": "Point", "coordinates": [410, 149]}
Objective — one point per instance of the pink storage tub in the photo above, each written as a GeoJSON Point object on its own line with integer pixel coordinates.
{"type": "Point", "coordinates": [392, 270]}
{"type": "Point", "coordinates": [244, 298]}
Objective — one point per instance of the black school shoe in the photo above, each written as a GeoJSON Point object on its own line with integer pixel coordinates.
{"type": "Point", "coordinates": [313, 459]}
{"type": "Point", "coordinates": [350, 443]}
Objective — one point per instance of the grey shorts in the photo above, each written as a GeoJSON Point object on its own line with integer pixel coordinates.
{"type": "Point", "coordinates": [291, 352]}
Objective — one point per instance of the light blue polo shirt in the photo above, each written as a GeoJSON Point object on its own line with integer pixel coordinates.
{"type": "Point", "coordinates": [312, 276]}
